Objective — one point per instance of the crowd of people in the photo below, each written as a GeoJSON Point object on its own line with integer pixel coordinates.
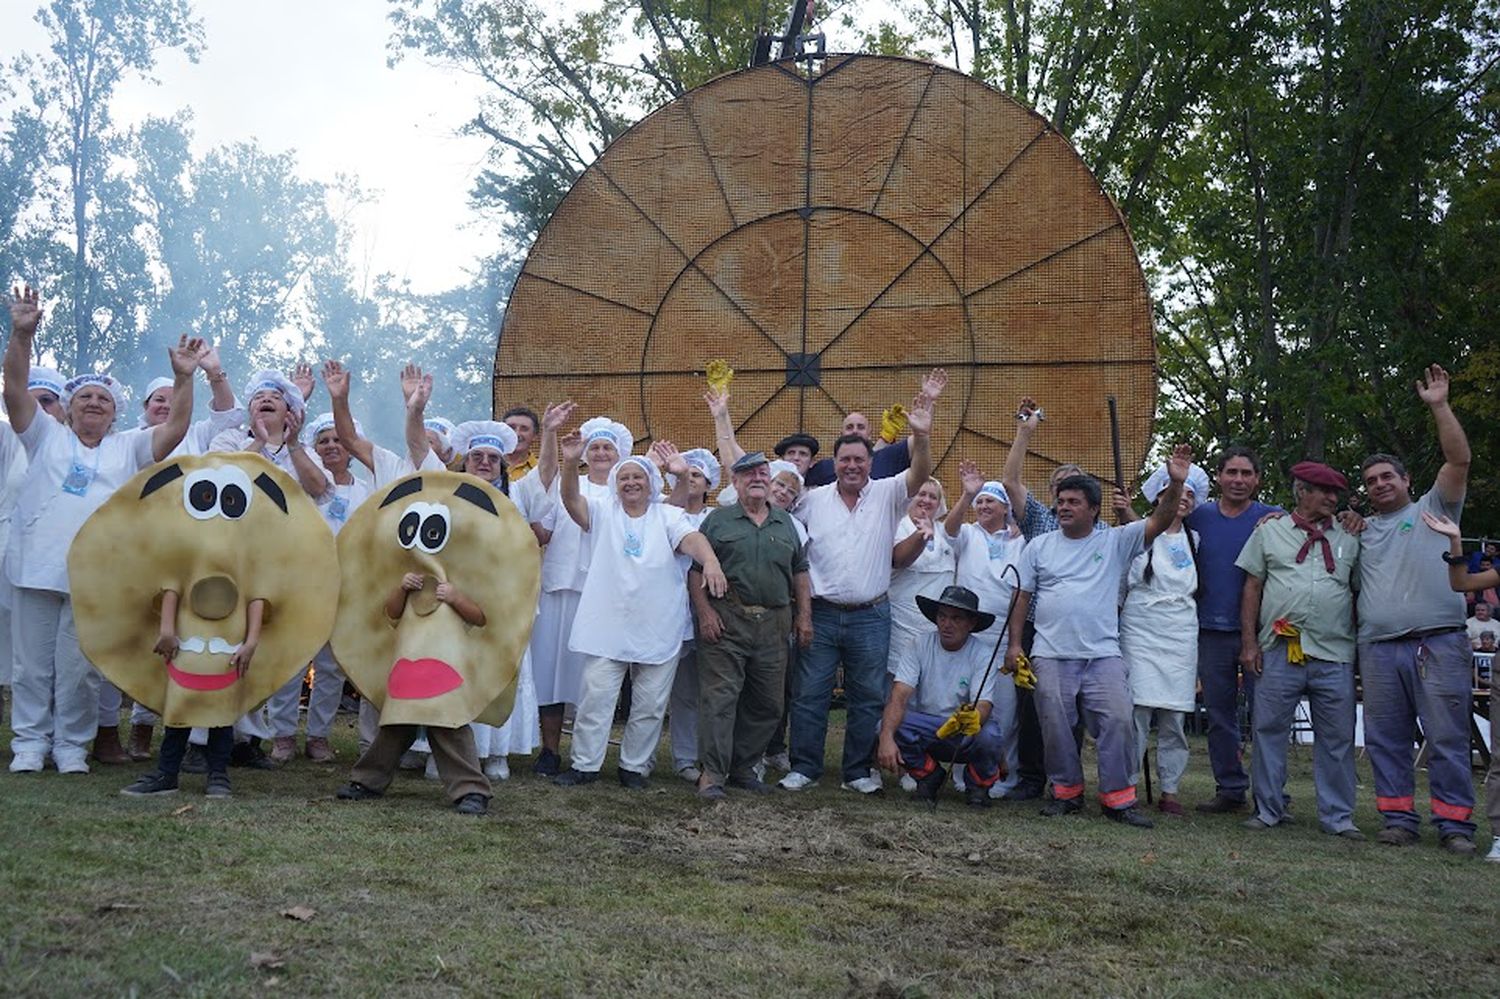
{"type": "Point", "coordinates": [975, 640]}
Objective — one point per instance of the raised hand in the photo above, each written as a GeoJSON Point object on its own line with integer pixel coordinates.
{"type": "Point", "coordinates": [25, 311]}
{"type": "Point", "coordinates": [184, 356]}
{"type": "Point", "coordinates": [934, 383]}
{"type": "Point", "coordinates": [970, 477]}
{"type": "Point", "coordinates": [923, 524]}
{"type": "Point", "coordinates": [293, 433]}
{"type": "Point", "coordinates": [919, 417]}
{"type": "Point", "coordinates": [1180, 463]}
{"type": "Point", "coordinates": [411, 377]}
{"type": "Point", "coordinates": [302, 377]}
{"type": "Point", "coordinates": [556, 415]}
{"type": "Point", "coordinates": [1434, 391]}
{"type": "Point", "coordinates": [336, 380]}
{"type": "Point", "coordinates": [421, 392]}
{"type": "Point", "coordinates": [718, 403]}
{"type": "Point", "coordinates": [570, 447]}
{"type": "Point", "coordinates": [666, 455]}
{"type": "Point", "coordinates": [1121, 501]}
{"type": "Point", "coordinates": [208, 360]}
{"type": "Point", "coordinates": [1028, 414]}
{"type": "Point", "coordinates": [1443, 526]}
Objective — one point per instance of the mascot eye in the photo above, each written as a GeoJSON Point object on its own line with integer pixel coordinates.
{"type": "Point", "coordinates": [203, 496]}
{"type": "Point", "coordinates": [406, 530]}
{"type": "Point", "coordinates": [434, 530]}
{"type": "Point", "coordinates": [233, 501]}
{"type": "Point", "coordinates": [216, 492]}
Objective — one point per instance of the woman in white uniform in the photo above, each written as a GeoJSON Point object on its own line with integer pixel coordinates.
{"type": "Point", "coordinates": [988, 553]}
{"type": "Point", "coordinates": [557, 669]}
{"type": "Point", "coordinates": [72, 470]}
{"type": "Point", "coordinates": [922, 562]}
{"type": "Point", "coordinates": [1159, 635]}
{"type": "Point", "coordinates": [631, 612]}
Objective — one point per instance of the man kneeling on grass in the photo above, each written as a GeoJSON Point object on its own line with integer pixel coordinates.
{"type": "Point", "coordinates": [940, 703]}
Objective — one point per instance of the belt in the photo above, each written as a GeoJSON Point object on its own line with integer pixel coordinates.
{"type": "Point", "coordinates": [851, 607]}
{"type": "Point", "coordinates": [756, 609]}
{"type": "Point", "coordinates": [1421, 633]}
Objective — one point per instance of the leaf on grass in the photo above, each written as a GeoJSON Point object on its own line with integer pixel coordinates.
{"type": "Point", "coordinates": [109, 907]}
{"type": "Point", "coordinates": [183, 810]}
{"type": "Point", "coordinates": [1234, 855]}
{"type": "Point", "coordinates": [266, 960]}
{"type": "Point", "coordinates": [1149, 858]}
{"type": "Point", "coordinates": [301, 913]}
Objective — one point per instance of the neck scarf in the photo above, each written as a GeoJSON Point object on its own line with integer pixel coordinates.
{"type": "Point", "coordinates": [1315, 534]}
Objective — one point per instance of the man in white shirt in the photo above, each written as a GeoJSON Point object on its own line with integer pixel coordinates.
{"type": "Point", "coordinates": [851, 526]}
{"type": "Point", "coordinates": [1074, 572]}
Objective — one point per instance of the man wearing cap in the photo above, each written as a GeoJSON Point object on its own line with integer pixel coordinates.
{"type": "Point", "coordinates": [800, 449]}
{"type": "Point", "coordinates": [1414, 657]}
{"type": "Point", "coordinates": [890, 455]}
{"type": "Point", "coordinates": [942, 699]}
{"type": "Point", "coordinates": [1297, 637]}
{"type": "Point", "coordinates": [851, 527]}
{"type": "Point", "coordinates": [742, 636]}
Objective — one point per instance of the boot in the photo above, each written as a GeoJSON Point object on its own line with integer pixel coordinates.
{"type": "Point", "coordinates": [107, 748]}
{"type": "Point", "coordinates": [140, 742]}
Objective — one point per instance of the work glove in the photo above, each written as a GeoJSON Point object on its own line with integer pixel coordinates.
{"type": "Point", "coordinates": [893, 423]}
{"type": "Point", "coordinates": [1023, 674]}
{"type": "Point", "coordinates": [964, 722]}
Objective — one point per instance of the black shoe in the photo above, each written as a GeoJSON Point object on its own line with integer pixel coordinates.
{"type": "Point", "coordinates": [1024, 791]}
{"type": "Point", "coordinates": [547, 764]}
{"type": "Point", "coordinates": [1129, 816]}
{"type": "Point", "coordinates": [1220, 805]}
{"type": "Point", "coordinates": [574, 778]}
{"type": "Point", "coordinates": [1062, 806]}
{"type": "Point", "coordinates": [250, 754]}
{"type": "Point", "coordinates": [752, 784]}
{"type": "Point", "coordinates": [631, 780]}
{"type": "Point", "coordinates": [473, 803]}
{"type": "Point", "coordinates": [928, 787]}
{"type": "Point", "coordinates": [355, 791]}
{"type": "Point", "coordinates": [194, 760]}
{"type": "Point", "coordinates": [976, 796]}
{"type": "Point", "coordinates": [150, 784]}
{"type": "Point", "coordinates": [217, 786]}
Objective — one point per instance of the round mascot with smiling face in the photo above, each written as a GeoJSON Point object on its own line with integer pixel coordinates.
{"type": "Point", "coordinates": [225, 537]}
{"type": "Point", "coordinates": [440, 579]}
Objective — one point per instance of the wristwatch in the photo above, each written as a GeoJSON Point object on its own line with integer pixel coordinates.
{"type": "Point", "coordinates": [1453, 559]}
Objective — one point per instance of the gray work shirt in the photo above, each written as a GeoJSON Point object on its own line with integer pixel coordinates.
{"type": "Point", "coordinates": [1403, 581]}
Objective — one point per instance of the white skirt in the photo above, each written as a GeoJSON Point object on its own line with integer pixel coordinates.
{"type": "Point", "coordinates": [556, 670]}
{"type": "Point", "coordinates": [520, 734]}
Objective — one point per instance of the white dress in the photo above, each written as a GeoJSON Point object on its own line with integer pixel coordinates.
{"type": "Point", "coordinates": [521, 733]}
{"type": "Point", "coordinates": [557, 670]}
{"type": "Point", "coordinates": [1159, 626]}
{"type": "Point", "coordinates": [928, 575]}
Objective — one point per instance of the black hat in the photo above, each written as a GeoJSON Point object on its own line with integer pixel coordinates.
{"type": "Point", "coordinates": [754, 459]}
{"type": "Point", "coordinates": [795, 440]}
{"type": "Point", "coordinates": [959, 597]}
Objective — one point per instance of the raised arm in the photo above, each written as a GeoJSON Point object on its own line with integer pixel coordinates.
{"type": "Point", "coordinates": [417, 444]}
{"type": "Point", "coordinates": [1028, 418]}
{"type": "Point", "coordinates": [570, 450]}
{"type": "Point", "coordinates": [1459, 576]}
{"type": "Point", "coordinates": [25, 313]}
{"type": "Point", "coordinates": [309, 472]}
{"type": "Point", "coordinates": [919, 419]}
{"type": "Point", "coordinates": [554, 419]}
{"type": "Point", "coordinates": [905, 551]}
{"type": "Point", "coordinates": [1166, 504]}
{"type": "Point", "coordinates": [1453, 477]}
{"type": "Point", "coordinates": [724, 440]}
{"type": "Point", "coordinates": [670, 460]}
{"type": "Point", "coordinates": [169, 433]}
{"type": "Point", "coordinates": [221, 396]}
{"type": "Point", "coordinates": [336, 380]}
{"type": "Point", "coordinates": [972, 482]}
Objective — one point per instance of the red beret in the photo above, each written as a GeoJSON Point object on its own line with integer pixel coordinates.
{"type": "Point", "coordinates": [1319, 474]}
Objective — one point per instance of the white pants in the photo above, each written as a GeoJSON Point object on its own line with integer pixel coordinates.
{"type": "Point", "coordinates": [651, 686]}
{"type": "Point", "coordinates": [1171, 744]}
{"type": "Point", "coordinates": [55, 690]}
{"type": "Point", "coordinates": [322, 703]}
{"type": "Point", "coordinates": [109, 704]}
{"type": "Point", "coordinates": [684, 709]}
{"type": "Point", "coordinates": [142, 715]}
{"type": "Point", "coordinates": [5, 645]}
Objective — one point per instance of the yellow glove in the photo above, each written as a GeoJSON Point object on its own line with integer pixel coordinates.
{"type": "Point", "coordinates": [720, 374]}
{"type": "Point", "coordinates": [893, 423]}
{"type": "Point", "coordinates": [1293, 636]}
{"type": "Point", "coordinates": [1025, 675]}
{"type": "Point", "coordinates": [964, 721]}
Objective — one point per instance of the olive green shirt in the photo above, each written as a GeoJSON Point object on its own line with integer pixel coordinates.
{"type": "Point", "coordinates": [1320, 603]}
{"type": "Point", "coordinates": [759, 560]}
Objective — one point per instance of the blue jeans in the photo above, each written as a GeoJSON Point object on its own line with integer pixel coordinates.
{"type": "Point", "coordinates": [860, 639]}
{"type": "Point", "coordinates": [1219, 672]}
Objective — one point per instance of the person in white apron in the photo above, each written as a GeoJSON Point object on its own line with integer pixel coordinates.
{"type": "Point", "coordinates": [923, 561]}
{"type": "Point", "coordinates": [71, 471]}
{"type": "Point", "coordinates": [631, 612]}
{"type": "Point", "coordinates": [1159, 635]}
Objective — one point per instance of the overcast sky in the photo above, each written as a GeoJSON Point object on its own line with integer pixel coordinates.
{"type": "Point", "coordinates": [311, 77]}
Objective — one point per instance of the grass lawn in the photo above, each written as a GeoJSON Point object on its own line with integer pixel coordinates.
{"type": "Point", "coordinates": [602, 891]}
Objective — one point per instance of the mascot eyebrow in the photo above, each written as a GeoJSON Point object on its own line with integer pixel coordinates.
{"type": "Point", "coordinates": [173, 472]}
{"type": "Point", "coordinates": [465, 491]}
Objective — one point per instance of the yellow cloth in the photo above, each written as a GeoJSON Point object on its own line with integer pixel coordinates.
{"type": "Point", "coordinates": [1293, 636]}
{"type": "Point", "coordinates": [719, 374]}
{"type": "Point", "coordinates": [518, 471]}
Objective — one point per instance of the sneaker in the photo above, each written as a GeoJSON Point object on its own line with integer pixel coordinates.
{"type": "Point", "coordinates": [32, 763]}
{"type": "Point", "coordinates": [1024, 791]}
{"type": "Point", "coordinates": [796, 781]}
{"type": "Point", "coordinates": [908, 783]}
{"type": "Point", "coordinates": [1256, 824]}
{"type": "Point", "coordinates": [150, 784]}
{"type": "Point", "coordinates": [1129, 816]}
{"type": "Point", "coordinates": [497, 768]}
{"type": "Point", "coordinates": [318, 750]}
{"type": "Point", "coordinates": [547, 764]}
{"type": "Point", "coordinates": [929, 786]}
{"type": "Point", "coordinates": [1352, 834]}
{"type": "Point", "coordinates": [249, 753]}
{"type": "Point", "coordinates": [869, 784]}
{"type": "Point", "coordinates": [689, 773]}
{"type": "Point", "coordinates": [1494, 855]}
{"type": "Point", "coordinates": [431, 771]}
{"type": "Point", "coordinates": [217, 786]}
{"type": "Point", "coordinates": [472, 803]}
{"type": "Point", "coordinates": [1220, 805]}
{"type": "Point", "coordinates": [355, 791]}
{"type": "Point", "coordinates": [411, 760]}
{"type": "Point", "coordinates": [283, 749]}
{"type": "Point", "coordinates": [630, 779]}
{"type": "Point", "coordinates": [778, 761]}
{"type": "Point", "coordinates": [712, 792]}
{"type": "Point", "coordinates": [71, 763]}
{"type": "Point", "coordinates": [1396, 836]}
{"type": "Point", "coordinates": [1460, 844]}
{"type": "Point", "coordinates": [977, 797]}
{"type": "Point", "coordinates": [754, 785]}
{"type": "Point", "coordinates": [194, 760]}
{"type": "Point", "coordinates": [574, 778]}
{"type": "Point", "coordinates": [1061, 806]}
